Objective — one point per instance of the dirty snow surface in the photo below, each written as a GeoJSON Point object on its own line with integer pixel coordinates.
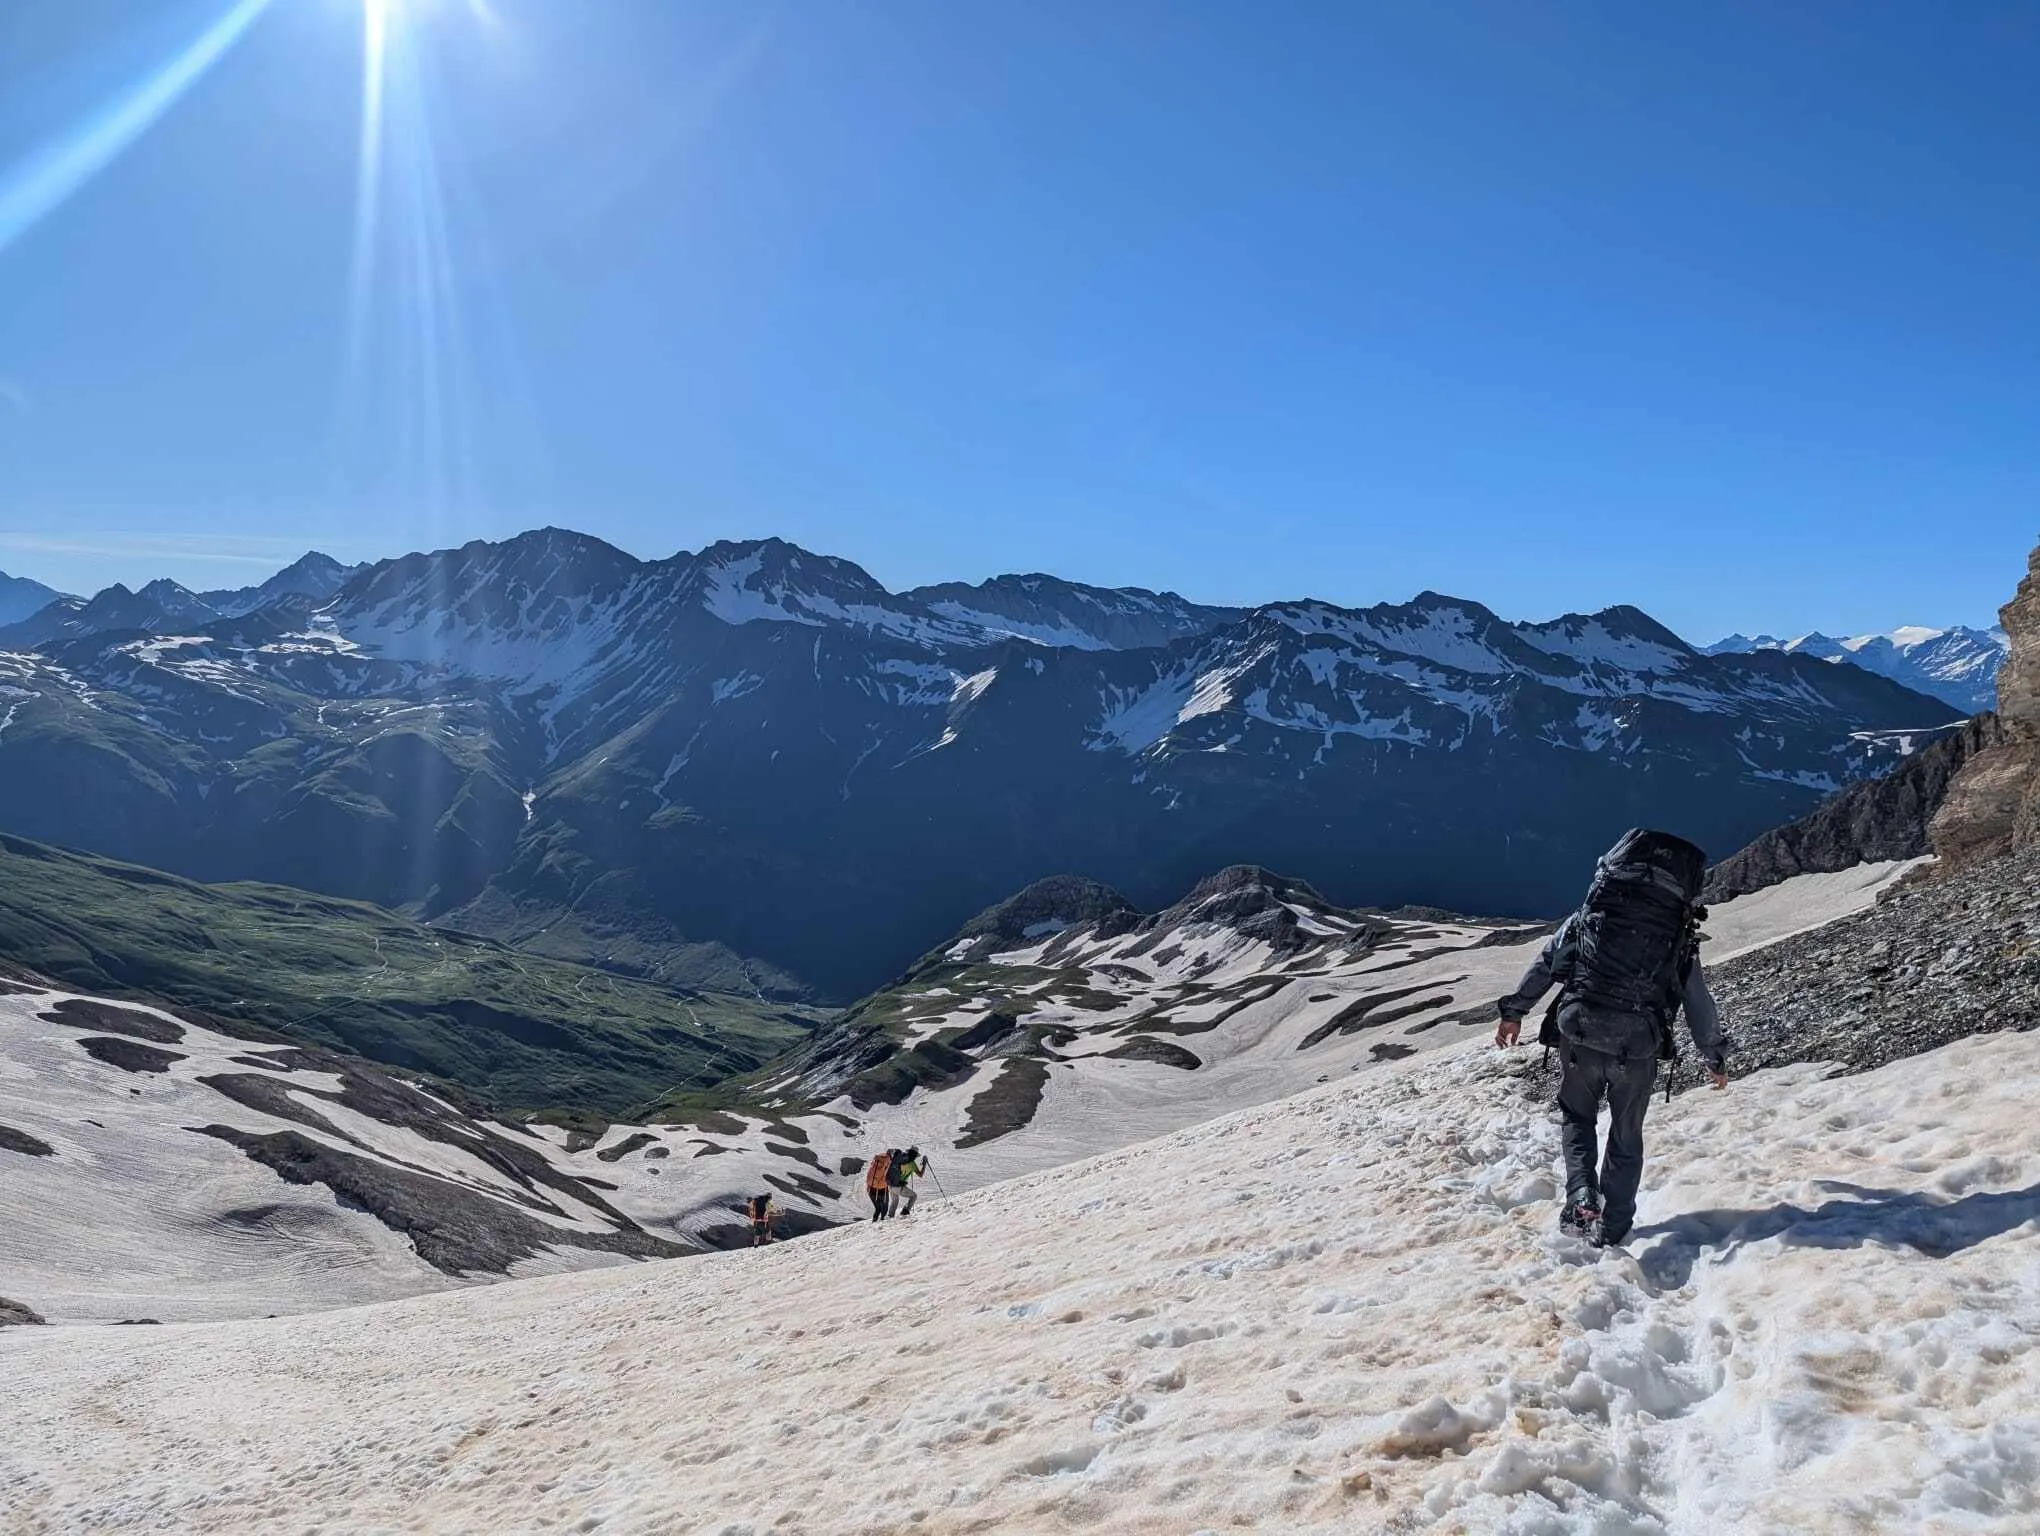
{"type": "Point", "coordinates": [1345, 1311]}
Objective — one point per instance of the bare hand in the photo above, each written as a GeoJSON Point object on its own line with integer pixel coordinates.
{"type": "Point", "coordinates": [1508, 1032]}
{"type": "Point", "coordinates": [1717, 1080]}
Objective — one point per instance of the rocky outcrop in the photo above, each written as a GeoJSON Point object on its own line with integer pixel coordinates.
{"type": "Point", "coordinates": [14, 1314]}
{"type": "Point", "coordinates": [1047, 906]}
{"type": "Point", "coordinates": [1993, 806]}
{"type": "Point", "coordinates": [1887, 818]}
{"type": "Point", "coordinates": [1931, 963]}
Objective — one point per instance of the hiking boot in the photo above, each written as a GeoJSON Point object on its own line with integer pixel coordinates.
{"type": "Point", "coordinates": [1581, 1221]}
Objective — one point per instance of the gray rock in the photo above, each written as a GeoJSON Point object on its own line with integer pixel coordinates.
{"type": "Point", "coordinates": [1932, 963]}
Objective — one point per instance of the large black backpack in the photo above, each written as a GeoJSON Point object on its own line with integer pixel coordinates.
{"type": "Point", "coordinates": [1636, 929]}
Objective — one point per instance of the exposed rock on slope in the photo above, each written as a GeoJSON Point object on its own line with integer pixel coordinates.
{"type": "Point", "coordinates": [1934, 961]}
{"type": "Point", "coordinates": [1994, 803]}
{"type": "Point", "coordinates": [1868, 823]}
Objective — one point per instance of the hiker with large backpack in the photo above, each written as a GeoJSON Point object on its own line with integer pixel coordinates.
{"type": "Point", "coordinates": [1626, 964]}
{"type": "Point", "coordinates": [877, 1182]}
{"type": "Point", "coordinates": [761, 1211]}
{"type": "Point", "coordinates": [896, 1180]}
{"type": "Point", "coordinates": [908, 1167]}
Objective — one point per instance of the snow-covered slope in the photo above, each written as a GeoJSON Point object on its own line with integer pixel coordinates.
{"type": "Point", "coordinates": [151, 1168]}
{"type": "Point", "coordinates": [1347, 1311]}
{"type": "Point", "coordinates": [1958, 664]}
{"type": "Point", "coordinates": [1039, 1037]}
{"type": "Point", "coordinates": [226, 1178]}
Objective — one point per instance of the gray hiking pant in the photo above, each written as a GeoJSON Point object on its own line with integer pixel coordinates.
{"type": "Point", "coordinates": [1590, 1076]}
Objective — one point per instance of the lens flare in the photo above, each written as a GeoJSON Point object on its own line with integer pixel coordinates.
{"type": "Point", "coordinates": [32, 191]}
{"type": "Point", "coordinates": [403, 424]}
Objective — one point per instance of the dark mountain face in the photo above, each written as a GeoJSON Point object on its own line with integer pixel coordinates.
{"type": "Point", "coordinates": [761, 752]}
{"type": "Point", "coordinates": [21, 598]}
{"type": "Point", "coordinates": [313, 576]}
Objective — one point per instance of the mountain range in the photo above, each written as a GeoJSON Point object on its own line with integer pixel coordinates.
{"type": "Point", "coordinates": [756, 768]}
{"type": "Point", "coordinates": [1959, 665]}
{"type": "Point", "coordinates": [160, 606]}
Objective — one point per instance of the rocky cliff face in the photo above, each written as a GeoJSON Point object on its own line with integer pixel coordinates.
{"type": "Point", "coordinates": [1993, 806]}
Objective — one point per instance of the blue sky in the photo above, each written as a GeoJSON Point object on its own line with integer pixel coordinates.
{"type": "Point", "coordinates": [1724, 310]}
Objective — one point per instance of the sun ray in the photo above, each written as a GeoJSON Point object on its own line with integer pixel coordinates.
{"type": "Point", "coordinates": [368, 176]}
{"type": "Point", "coordinates": [36, 188]}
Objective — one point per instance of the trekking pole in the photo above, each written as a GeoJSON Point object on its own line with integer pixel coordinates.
{"type": "Point", "coordinates": [938, 1182]}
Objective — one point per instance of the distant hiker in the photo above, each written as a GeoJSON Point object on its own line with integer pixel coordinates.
{"type": "Point", "coordinates": [910, 1166]}
{"type": "Point", "coordinates": [876, 1175]}
{"type": "Point", "coordinates": [761, 1220]}
{"type": "Point", "coordinates": [1625, 964]}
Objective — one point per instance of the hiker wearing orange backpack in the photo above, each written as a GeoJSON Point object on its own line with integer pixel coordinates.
{"type": "Point", "coordinates": [876, 1176]}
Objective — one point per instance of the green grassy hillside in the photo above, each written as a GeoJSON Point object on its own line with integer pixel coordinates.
{"type": "Point", "coordinates": [526, 1032]}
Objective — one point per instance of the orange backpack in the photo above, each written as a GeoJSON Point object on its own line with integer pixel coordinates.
{"type": "Point", "coordinates": [875, 1175]}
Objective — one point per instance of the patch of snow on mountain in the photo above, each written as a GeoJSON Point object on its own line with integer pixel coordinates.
{"type": "Point", "coordinates": [1441, 633]}
{"type": "Point", "coordinates": [726, 688]}
{"type": "Point", "coordinates": [1591, 642]}
{"type": "Point", "coordinates": [1135, 720]}
{"type": "Point", "coordinates": [969, 689]}
{"type": "Point", "coordinates": [917, 684]}
{"type": "Point", "coordinates": [999, 626]}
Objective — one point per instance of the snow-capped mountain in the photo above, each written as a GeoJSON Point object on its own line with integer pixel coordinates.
{"type": "Point", "coordinates": [553, 743]}
{"type": "Point", "coordinates": [164, 607]}
{"type": "Point", "coordinates": [1959, 665]}
{"type": "Point", "coordinates": [20, 598]}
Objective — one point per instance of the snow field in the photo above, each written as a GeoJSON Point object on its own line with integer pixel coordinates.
{"type": "Point", "coordinates": [1092, 1103]}
{"type": "Point", "coordinates": [1344, 1311]}
{"type": "Point", "coordinates": [136, 1215]}
{"type": "Point", "coordinates": [1799, 905]}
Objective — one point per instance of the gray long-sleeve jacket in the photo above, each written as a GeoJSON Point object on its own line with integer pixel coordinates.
{"type": "Point", "coordinates": [1619, 1034]}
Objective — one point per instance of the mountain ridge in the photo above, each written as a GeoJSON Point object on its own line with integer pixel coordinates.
{"type": "Point", "coordinates": [755, 747]}
{"type": "Point", "coordinates": [1958, 664]}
